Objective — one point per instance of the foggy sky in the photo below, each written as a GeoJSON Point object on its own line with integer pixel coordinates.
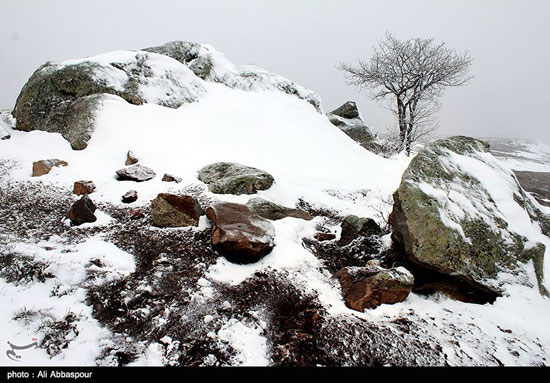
{"type": "Point", "coordinates": [304, 40]}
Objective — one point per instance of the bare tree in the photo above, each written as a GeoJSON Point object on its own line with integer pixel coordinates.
{"type": "Point", "coordinates": [415, 73]}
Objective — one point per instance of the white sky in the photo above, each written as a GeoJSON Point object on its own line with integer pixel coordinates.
{"type": "Point", "coordinates": [304, 41]}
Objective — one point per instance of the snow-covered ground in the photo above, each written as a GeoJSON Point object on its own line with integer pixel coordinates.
{"type": "Point", "coordinates": [310, 159]}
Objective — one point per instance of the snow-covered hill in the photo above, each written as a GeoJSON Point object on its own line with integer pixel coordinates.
{"type": "Point", "coordinates": [122, 291]}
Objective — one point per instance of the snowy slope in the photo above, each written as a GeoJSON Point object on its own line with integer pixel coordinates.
{"type": "Point", "coordinates": [309, 158]}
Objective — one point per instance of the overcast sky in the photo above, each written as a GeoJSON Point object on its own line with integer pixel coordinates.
{"type": "Point", "coordinates": [304, 40]}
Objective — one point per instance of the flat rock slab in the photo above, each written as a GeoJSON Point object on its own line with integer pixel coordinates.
{"type": "Point", "coordinates": [171, 210]}
{"type": "Point", "coordinates": [42, 167]}
{"type": "Point", "coordinates": [238, 234]}
{"type": "Point", "coordinates": [82, 211]}
{"type": "Point", "coordinates": [270, 210]}
{"type": "Point", "coordinates": [231, 178]}
{"type": "Point", "coordinates": [371, 286]}
{"type": "Point", "coordinates": [137, 173]}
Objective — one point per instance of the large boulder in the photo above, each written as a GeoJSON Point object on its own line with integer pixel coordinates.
{"type": "Point", "coordinates": [231, 178]}
{"type": "Point", "coordinates": [64, 97]}
{"type": "Point", "coordinates": [457, 212]}
{"type": "Point", "coordinates": [347, 118]}
{"type": "Point", "coordinates": [238, 234]}
{"type": "Point", "coordinates": [213, 66]}
{"type": "Point", "coordinates": [270, 210]}
{"type": "Point", "coordinates": [171, 210]}
{"type": "Point", "coordinates": [371, 286]}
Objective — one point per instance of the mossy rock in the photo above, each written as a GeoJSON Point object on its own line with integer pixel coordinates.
{"type": "Point", "coordinates": [232, 178]}
{"type": "Point", "coordinates": [473, 247]}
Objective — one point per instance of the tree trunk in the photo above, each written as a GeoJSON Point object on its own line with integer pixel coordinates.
{"type": "Point", "coordinates": [402, 119]}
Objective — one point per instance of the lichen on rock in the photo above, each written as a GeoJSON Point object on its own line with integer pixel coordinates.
{"type": "Point", "coordinates": [447, 218]}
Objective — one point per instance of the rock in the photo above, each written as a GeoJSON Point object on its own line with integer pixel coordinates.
{"type": "Point", "coordinates": [457, 213]}
{"type": "Point", "coordinates": [83, 187]}
{"type": "Point", "coordinates": [170, 210]}
{"type": "Point", "coordinates": [348, 111]}
{"type": "Point", "coordinates": [64, 97]}
{"type": "Point", "coordinates": [130, 196]}
{"type": "Point", "coordinates": [353, 227]}
{"type": "Point", "coordinates": [130, 159]}
{"type": "Point", "coordinates": [324, 236]}
{"type": "Point", "coordinates": [39, 168]}
{"type": "Point", "coordinates": [136, 214]}
{"type": "Point", "coordinates": [231, 178]}
{"type": "Point", "coordinates": [347, 118]}
{"type": "Point", "coordinates": [371, 286]}
{"type": "Point", "coordinates": [138, 173]}
{"type": "Point", "coordinates": [4, 135]}
{"type": "Point", "coordinates": [273, 211]}
{"type": "Point", "coordinates": [210, 65]}
{"type": "Point", "coordinates": [238, 234]}
{"type": "Point", "coordinates": [82, 211]}
{"type": "Point", "coordinates": [170, 178]}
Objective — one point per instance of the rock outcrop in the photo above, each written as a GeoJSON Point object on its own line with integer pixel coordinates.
{"type": "Point", "coordinates": [238, 234]}
{"type": "Point", "coordinates": [42, 167]}
{"type": "Point", "coordinates": [137, 173]}
{"type": "Point", "coordinates": [65, 97]}
{"type": "Point", "coordinates": [212, 66]}
{"type": "Point", "coordinates": [231, 178]}
{"type": "Point", "coordinates": [353, 227]}
{"type": "Point", "coordinates": [347, 118]}
{"type": "Point", "coordinates": [371, 286]}
{"type": "Point", "coordinates": [459, 213]}
{"type": "Point", "coordinates": [270, 210]}
{"type": "Point", "coordinates": [171, 210]}
{"type": "Point", "coordinates": [82, 211]}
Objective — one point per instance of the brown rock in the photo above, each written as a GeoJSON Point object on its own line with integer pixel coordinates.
{"type": "Point", "coordinates": [324, 236]}
{"type": "Point", "coordinates": [171, 210]}
{"type": "Point", "coordinates": [136, 214]}
{"type": "Point", "coordinates": [371, 286]}
{"type": "Point", "coordinates": [130, 159]}
{"type": "Point", "coordinates": [39, 168]}
{"type": "Point", "coordinates": [130, 196]}
{"type": "Point", "coordinates": [238, 234]}
{"type": "Point", "coordinates": [83, 187]}
{"type": "Point", "coordinates": [170, 178]}
{"type": "Point", "coordinates": [82, 211]}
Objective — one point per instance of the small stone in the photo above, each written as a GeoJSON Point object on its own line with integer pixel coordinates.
{"type": "Point", "coordinates": [270, 210]}
{"type": "Point", "coordinates": [39, 168]}
{"type": "Point", "coordinates": [130, 159]}
{"type": "Point", "coordinates": [83, 187]}
{"type": "Point", "coordinates": [136, 214]}
{"type": "Point", "coordinates": [136, 173]}
{"type": "Point", "coordinates": [354, 227]}
{"type": "Point", "coordinates": [170, 178]}
{"type": "Point", "coordinates": [82, 211]}
{"type": "Point", "coordinates": [130, 196]}
{"type": "Point", "coordinates": [324, 236]}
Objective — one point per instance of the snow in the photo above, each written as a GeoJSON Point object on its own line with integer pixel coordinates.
{"type": "Point", "coordinates": [309, 158]}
